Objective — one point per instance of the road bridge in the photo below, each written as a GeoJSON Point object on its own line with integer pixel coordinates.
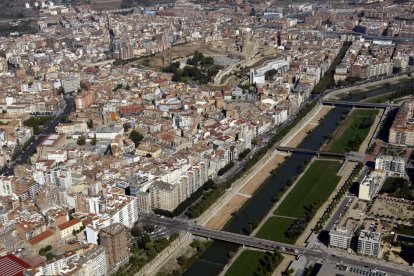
{"type": "Point", "coordinates": [358, 104]}
{"type": "Point", "coordinates": [201, 231]}
{"type": "Point", "coordinates": [245, 240]}
{"type": "Point", "coordinates": [187, 225]}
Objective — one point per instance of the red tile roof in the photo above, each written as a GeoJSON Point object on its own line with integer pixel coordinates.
{"type": "Point", "coordinates": [10, 265]}
{"type": "Point", "coordinates": [68, 224]}
{"type": "Point", "coordinates": [44, 235]}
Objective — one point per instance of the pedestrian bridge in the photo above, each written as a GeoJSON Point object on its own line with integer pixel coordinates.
{"type": "Point", "coordinates": [351, 156]}
{"type": "Point", "coordinates": [308, 151]}
{"type": "Point", "coordinates": [358, 104]}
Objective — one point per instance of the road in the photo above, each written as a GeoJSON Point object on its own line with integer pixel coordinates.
{"type": "Point", "coordinates": [25, 155]}
{"type": "Point", "coordinates": [339, 212]}
{"type": "Point", "coordinates": [245, 240]}
{"type": "Point", "coordinates": [183, 225]}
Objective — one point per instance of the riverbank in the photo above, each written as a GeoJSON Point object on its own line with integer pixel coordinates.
{"type": "Point", "coordinates": [255, 209]}
{"type": "Point", "coordinates": [312, 189]}
{"type": "Point", "coordinates": [252, 183]}
{"type": "Point", "coordinates": [337, 94]}
{"type": "Point", "coordinates": [244, 192]}
{"type": "Point", "coordinates": [353, 131]}
{"type": "Point", "coordinates": [303, 132]}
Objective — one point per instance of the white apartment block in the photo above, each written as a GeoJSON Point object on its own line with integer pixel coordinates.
{"type": "Point", "coordinates": [71, 84]}
{"type": "Point", "coordinates": [126, 213]}
{"type": "Point", "coordinates": [60, 177]}
{"type": "Point", "coordinates": [118, 209]}
{"type": "Point", "coordinates": [94, 262]}
{"type": "Point", "coordinates": [168, 195]}
{"type": "Point", "coordinates": [58, 155]}
{"type": "Point", "coordinates": [367, 188]}
{"type": "Point", "coordinates": [369, 243]}
{"type": "Point", "coordinates": [54, 267]}
{"type": "Point", "coordinates": [340, 237]}
{"type": "Point", "coordinates": [390, 165]}
{"type": "Point", "coordinates": [6, 186]}
{"type": "Point", "coordinates": [257, 75]}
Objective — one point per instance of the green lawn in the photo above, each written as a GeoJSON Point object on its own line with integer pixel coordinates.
{"type": "Point", "coordinates": [274, 229]}
{"type": "Point", "coordinates": [350, 134]}
{"type": "Point", "coordinates": [316, 185]}
{"type": "Point", "coordinates": [379, 99]}
{"type": "Point", "coordinates": [246, 264]}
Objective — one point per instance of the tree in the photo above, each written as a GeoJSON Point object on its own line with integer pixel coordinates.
{"type": "Point", "coordinates": [270, 74]}
{"type": "Point", "coordinates": [136, 231]}
{"type": "Point", "coordinates": [81, 140]}
{"type": "Point", "coordinates": [149, 228]}
{"type": "Point", "coordinates": [90, 123]}
{"type": "Point", "coordinates": [136, 137]}
{"type": "Point", "coordinates": [93, 140]}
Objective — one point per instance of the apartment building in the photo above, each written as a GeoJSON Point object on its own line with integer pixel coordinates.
{"type": "Point", "coordinates": [67, 228]}
{"type": "Point", "coordinates": [164, 196]}
{"type": "Point", "coordinates": [83, 100]}
{"type": "Point", "coordinates": [340, 237]}
{"type": "Point", "coordinates": [402, 129]}
{"type": "Point", "coordinates": [60, 177]}
{"type": "Point", "coordinates": [367, 188]}
{"type": "Point", "coordinates": [71, 83]}
{"type": "Point", "coordinates": [93, 262]}
{"type": "Point", "coordinates": [369, 243]}
{"type": "Point", "coordinates": [116, 239]}
{"type": "Point", "coordinates": [390, 165]}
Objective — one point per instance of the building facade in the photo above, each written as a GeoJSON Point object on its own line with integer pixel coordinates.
{"type": "Point", "coordinates": [369, 243]}
{"type": "Point", "coordinates": [116, 239]}
{"type": "Point", "coordinates": [340, 237]}
{"type": "Point", "coordinates": [367, 188]}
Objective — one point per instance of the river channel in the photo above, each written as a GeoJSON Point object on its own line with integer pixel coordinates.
{"type": "Point", "coordinates": [212, 261]}
{"type": "Point", "coordinates": [215, 257]}
{"type": "Point", "coordinates": [357, 97]}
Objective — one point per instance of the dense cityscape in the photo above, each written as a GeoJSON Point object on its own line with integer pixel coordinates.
{"type": "Point", "coordinates": [216, 137]}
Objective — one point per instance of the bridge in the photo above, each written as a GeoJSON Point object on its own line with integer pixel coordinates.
{"type": "Point", "coordinates": [316, 252]}
{"type": "Point", "coordinates": [244, 240]}
{"type": "Point", "coordinates": [308, 151]}
{"type": "Point", "coordinates": [201, 231]}
{"type": "Point", "coordinates": [359, 104]}
{"type": "Point", "coordinates": [351, 156]}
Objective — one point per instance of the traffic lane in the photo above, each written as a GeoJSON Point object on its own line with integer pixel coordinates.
{"type": "Point", "coordinates": [243, 239]}
{"type": "Point", "coordinates": [338, 212]}
{"type": "Point", "coordinates": [22, 158]}
{"type": "Point", "coordinates": [271, 245]}
{"type": "Point", "coordinates": [370, 264]}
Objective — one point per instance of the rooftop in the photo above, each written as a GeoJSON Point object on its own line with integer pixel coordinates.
{"type": "Point", "coordinates": [10, 265]}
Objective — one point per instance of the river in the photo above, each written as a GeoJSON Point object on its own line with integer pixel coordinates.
{"type": "Point", "coordinates": [383, 89]}
{"type": "Point", "coordinates": [215, 257]}
{"type": "Point", "coordinates": [212, 261]}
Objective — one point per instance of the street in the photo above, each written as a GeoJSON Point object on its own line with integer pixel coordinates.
{"type": "Point", "coordinates": [176, 225]}
{"type": "Point", "coordinates": [28, 152]}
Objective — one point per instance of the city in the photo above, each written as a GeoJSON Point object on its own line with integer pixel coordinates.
{"type": "Point", "coordinates": [216, 137]}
